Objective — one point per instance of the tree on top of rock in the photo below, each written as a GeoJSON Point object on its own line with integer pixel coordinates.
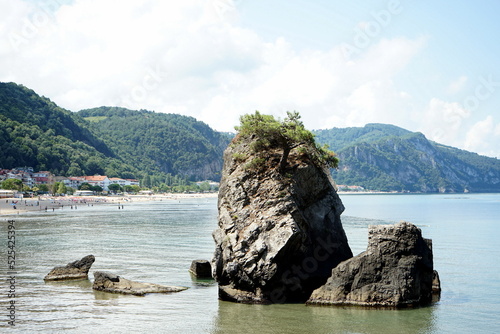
{"type": "Point", "coordinates": [286, 135]}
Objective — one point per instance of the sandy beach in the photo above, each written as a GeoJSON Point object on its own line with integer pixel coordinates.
{"type": "Point", "coordinates": [17, 206]}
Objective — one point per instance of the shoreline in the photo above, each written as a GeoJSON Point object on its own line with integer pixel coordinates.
{"type": "Point", "coordinates": [17, 206]}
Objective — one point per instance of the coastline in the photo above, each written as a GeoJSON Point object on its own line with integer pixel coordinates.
{"type": "Point", "coordinates": [17, 206]}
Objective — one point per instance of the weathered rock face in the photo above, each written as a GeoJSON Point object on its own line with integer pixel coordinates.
{"type": "Point", "coordinates": [108, 282]}
{"type": "Point", "coordinates": [395, 271]}
{"type": "Point", "coordinates": [279, 232]}
{"type": "Point", "coordinates": [74, 270]}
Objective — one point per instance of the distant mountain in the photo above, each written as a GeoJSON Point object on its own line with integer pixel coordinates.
{"type": "Point", "coordinates": [388, 158]}
{"type": "Point", "coordinates": [158, 142]}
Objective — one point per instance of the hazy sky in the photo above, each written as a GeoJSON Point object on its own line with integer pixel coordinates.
{"type": "Point", "coordinates": [429, 66]}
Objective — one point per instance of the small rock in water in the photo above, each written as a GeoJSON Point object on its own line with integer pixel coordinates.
{"type": "Point", "coordinates": [108, 282]}
{"type": "Point", "coordinates": [74, 270]}
{"type": "Point", "coordinates": [201, 269]}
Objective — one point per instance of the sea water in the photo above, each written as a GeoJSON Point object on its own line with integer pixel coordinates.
{"type": "Point", "coordinates": [156, 242]}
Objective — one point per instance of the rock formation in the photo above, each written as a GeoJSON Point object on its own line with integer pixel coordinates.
{"type": "Point", "coordinates": [108, 282]}
{"type": "Point", "coordinates": [201, 269]}
{"type": "Point", "coordinates": [395, 271]}
{"type": "Point", "coordinates": [74, 270]}
{"type": "Point", "coordinates": [436, 283]}
{"type": "Point", "coordinates": [279, 231]}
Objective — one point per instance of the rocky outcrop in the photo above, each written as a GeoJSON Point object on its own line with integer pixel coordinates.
{"type": "Point", "coordinates": [201, 269]}
{"type": "Point", "coordinates": [74, 270]}
{"type": "Point", "coordinates": [395, 271]}
{"type": "Point", "coordinates": [436, 283]}
{"type": "Point", "coordinates": [279, 231]}
{"type": "Point", "coordinates": [108, 282]}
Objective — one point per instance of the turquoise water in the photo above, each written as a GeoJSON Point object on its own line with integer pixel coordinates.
{"type": "Point", "coordinates": [156, 242]}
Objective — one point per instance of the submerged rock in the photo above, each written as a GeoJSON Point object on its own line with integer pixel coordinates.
{"type": "Point", "coordinates": [201, 269]}
{"type": "Point", "coordinates": [104, 281]}
{"type": "Point", "coordinates": [74, 270]}
{"type": "Point", "coordinates": [279, 231]}
{"type": "Point", "coordinates": [395, 271]}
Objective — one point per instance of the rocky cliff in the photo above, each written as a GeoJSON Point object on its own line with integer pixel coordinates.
{"type": "Point", "coordinates": [388, 158]}
{"type": "Point", "coordinates": [279, 230]}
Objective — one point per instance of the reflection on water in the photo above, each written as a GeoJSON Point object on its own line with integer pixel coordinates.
{"type": "Point", "coordinates": [295, 318]}
{"type": "Point", "coordinates": [80, 284]}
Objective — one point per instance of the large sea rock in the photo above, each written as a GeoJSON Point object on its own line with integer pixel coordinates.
{"type": "Point", "coordinates": [279, 231]}
{"type": "Point", "coordinates": [396, 270]}
{"type": "Point", "coordinates": [74, 270]}
{"type": "Point", "coordinates": [108, 282]}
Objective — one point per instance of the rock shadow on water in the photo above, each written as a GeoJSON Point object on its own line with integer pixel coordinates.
{"type": "Point", "coordinates": [83, 284]}
{"type": "Point", "coordinates": [299, 318]}
{"type": "Point", "coordinates": [201, 273]}
{"type": "Point", "coordinates": [202, 282]}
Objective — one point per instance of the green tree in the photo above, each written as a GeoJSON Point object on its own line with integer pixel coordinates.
{"type": "Point", "coordinates": [75, 170]}
{"type": "Point", "coordinates": [146, 181]}
{"type": "Point", "coordinates": [85, 186]}
{"type": "Point", "coordinates": [61, 188]}
{"type": "Point", "coordinates": [12, 184]}
{"type": "Point", "coordinates": [204, 186]}
{"type": "Point", "coordinates": [286, 135]}
{"type": "Point", "coordinates": [43, 188]}
{"type": "Point", "coordinates": [114, 188]}
{"type": "Point", "coordinates": [54, 187]}
{"type": "Point", "coordinates": [96, 188]}
{"type": "Point", "coordinates": [132, 189]}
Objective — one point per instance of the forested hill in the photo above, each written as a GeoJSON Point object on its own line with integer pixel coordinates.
{"type": "Point", "coordinates": [35, 132]}
{"type": "Point", "coordinates": [158, 142]}
{"type": "Point", "coordinates": [22, 105]}
{"type": "Point", "coordinates": [116, 142]}
{"type": "Point", "coordinates": [388, 158]}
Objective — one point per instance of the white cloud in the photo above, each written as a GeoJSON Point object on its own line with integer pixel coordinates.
{"type": "Point", "coordinates": [479, 136]}
{"type": "Point", "coordinates": [443, 121]}
{"type": "Point", "coordinates": [457, 85]}
{"type": "Point", "coordinates": [449, 123]}
{"type": "Point", "coordinates": [182, 57]}
{"type": "Point", "coordinates": [192, 57]}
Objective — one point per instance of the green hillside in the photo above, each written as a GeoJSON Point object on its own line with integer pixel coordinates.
{"type": "Point", "coordinates": [37, 133]}
{"type": "Point", "coordinates": [160, 143]}
{"type": "Point", "coordinates": [116, 142]}
{"type": "Point", "coordinates": [387, 158]}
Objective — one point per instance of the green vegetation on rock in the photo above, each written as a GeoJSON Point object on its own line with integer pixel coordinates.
{"type": "Point", "coordinates": [285, 135]}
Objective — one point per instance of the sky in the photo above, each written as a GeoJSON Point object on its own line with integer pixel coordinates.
{"type": "Point", "coordinates": [427, 66]}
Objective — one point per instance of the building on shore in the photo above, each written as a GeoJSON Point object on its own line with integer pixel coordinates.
{"type": "Point", "coordinates": [32, 179]}
{"type": "Point", "coordinates": [7, 193]}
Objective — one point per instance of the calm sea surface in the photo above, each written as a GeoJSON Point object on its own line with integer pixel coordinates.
{"type": "Point", "coordinates": [156, 242]}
